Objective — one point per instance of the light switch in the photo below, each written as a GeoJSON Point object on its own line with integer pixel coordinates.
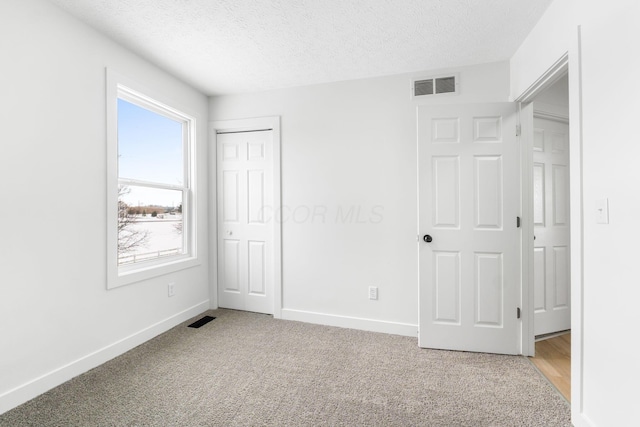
{"type": "Point", "coordinates": [602, 211]}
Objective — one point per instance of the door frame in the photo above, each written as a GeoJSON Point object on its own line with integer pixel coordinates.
{"type": "Point", "coordinates": [570, 62]}
{"type": "Point", "coordinates": [246, 125]}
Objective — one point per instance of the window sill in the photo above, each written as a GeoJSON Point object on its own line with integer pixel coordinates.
{"type": "Point", "coordinates": [136, 273]}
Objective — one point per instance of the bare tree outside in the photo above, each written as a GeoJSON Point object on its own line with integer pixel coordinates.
{"type": "Point", "coordinates": [178, 226]}
{"type": "Point", "coordinates": [129, 238]}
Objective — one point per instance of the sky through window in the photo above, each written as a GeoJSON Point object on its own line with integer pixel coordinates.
{"type": "Point", "coordinates": [149, 149]}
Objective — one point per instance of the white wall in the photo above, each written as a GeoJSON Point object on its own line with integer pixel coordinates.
{"type": "Point", "coordinates": [606, 377]}
{"type": "Point", "coordinates": [352, 145]}
{"type": "Point", "coordinates": [56, 317]}
{"type": "Point", "coordinates": [555, 30]}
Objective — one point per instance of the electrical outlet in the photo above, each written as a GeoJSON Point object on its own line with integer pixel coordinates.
{"type": "Point", "coordinates": [171, 291]}
{"type": "Point", "coordinates": [373, 292]}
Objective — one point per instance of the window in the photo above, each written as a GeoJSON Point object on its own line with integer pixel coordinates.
{"type": "Point", "coordinates": [150, 195]}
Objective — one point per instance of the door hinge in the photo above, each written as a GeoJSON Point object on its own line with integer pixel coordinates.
{"type": "Point", "coordinates": [518, 222]}
{"type": "Point", "coordinates": [518, 130]}
{"type": "Point", "coordinates": [518, 312]}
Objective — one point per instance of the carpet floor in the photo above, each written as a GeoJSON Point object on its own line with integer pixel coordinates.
{"type": "Point", "coordinates": [247, 369]}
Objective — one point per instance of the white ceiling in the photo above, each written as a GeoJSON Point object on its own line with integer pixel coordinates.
{"type": "Point", "coordinates": [231, 46]}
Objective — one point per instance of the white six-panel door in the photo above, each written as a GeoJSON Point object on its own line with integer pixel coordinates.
{"type": "Point", "coordinates": [552, 284]}
{"type": "Point", "coordinates": [469, 199]}
{"type": "Point", "coordinates": [245, 221]}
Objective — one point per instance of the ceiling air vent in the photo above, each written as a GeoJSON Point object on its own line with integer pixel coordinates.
{"type": "Point", "coordinates": [435, 86]}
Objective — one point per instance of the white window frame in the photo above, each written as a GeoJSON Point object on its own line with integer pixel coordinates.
{"type": "Point", "coordinates": [120, 87]}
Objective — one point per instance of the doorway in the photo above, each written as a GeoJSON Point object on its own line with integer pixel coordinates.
{"type": "Point", "coordinates": [551, 235]}
{"type": "Point", "coordinates": [551, 245]}
{"type": "Point", "coordinates": [246, 231]}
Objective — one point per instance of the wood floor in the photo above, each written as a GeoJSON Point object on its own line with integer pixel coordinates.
{"type": "Point", "coordinates": [553, 359]}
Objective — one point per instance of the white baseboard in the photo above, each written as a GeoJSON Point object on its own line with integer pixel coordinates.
{"type": "Point", "coordinates": [37, 386]}
{"type": "Point", "coordinates": [579, 419]}
{"type": "Point", "coordinates": [371, 325]}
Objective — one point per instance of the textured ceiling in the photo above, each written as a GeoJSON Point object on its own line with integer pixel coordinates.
{"type": "Point", "coordinates": [231, 46]}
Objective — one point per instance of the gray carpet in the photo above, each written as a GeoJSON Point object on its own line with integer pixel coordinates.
{"type": "Point", "coordinates": [246, 369]}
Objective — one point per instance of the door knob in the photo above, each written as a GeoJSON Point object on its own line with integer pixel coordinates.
{"type": "Point", "coordinates": [427, 238]}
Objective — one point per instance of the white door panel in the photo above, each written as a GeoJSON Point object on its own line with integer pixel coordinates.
{"type": "Point", "coordinates": [469, 200]}
{"type": "Point", "coordinates": [245, 237]}
{"type": "Point", "coordinates": [540, 268]}
{"type": "Point", "coordinates": [552, 279]}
